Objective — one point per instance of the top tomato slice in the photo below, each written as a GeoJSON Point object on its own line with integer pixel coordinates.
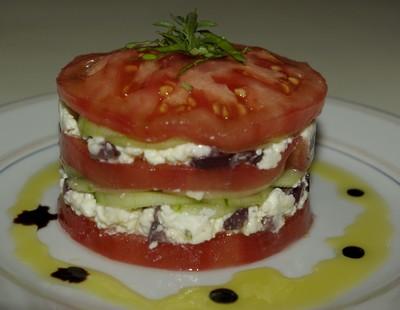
{"type": "Point", "coordinates": [221, 103]}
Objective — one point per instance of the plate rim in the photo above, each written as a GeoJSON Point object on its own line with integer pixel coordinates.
{"type": "Point", "coordinates": [376, 112]}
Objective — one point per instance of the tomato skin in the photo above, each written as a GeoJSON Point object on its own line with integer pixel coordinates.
{"type": "Point", "coordinates": [130, 102]}
{"type": "Point", "coordinates": [222, 251]}
{"type": "Point", "coordinates": [142, 175]}
{"type": "Point", "coordinates": [301, 157]}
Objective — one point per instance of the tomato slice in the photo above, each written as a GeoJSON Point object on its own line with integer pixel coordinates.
{"type": "Point", "coordinates": [222, 251]}
{"type": "Point", "coordinates": [221, 103]}
{"type": "Point", "coordinates": [142, 175]}
{"type": "Point", "coordinates": [301, 157]}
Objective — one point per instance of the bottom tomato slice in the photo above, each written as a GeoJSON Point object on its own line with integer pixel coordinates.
{"type": "Point", "coordinates": [222, 251]}
{"type": "Point", "coordinates": [141, 175]}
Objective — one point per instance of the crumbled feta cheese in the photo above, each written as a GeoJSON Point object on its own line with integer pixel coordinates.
{"type": "Point", "coordinates": [86, 202]}
{"type": "Point", "coordinates": [182, 153]}
{"type": "Point", "coordinates": [153, 245]}
{"type": "Point", "coordinates": [272, 154]}
{"type": "Point", "coordinates": [95, 145]}
{"type": "Point", "coordinates": [145, 219]}
{"type": "Point", "coordinates": [184, 227]}
{"type": "Point", "coordinates": [308, 135]}
{"type": "Point", "coordinates": [123, 158]}
{"type": "Point", "coordinates": [195, 195]}
{"type": "Point", "coordinates": [63, 177]}
{"type": "Point", "coordinates": [68, 123]}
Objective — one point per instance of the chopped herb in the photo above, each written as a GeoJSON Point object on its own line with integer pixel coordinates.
{"type": "Point", "coordinates": [149, 56]}
{"type": "Point", "coordinates": [186, 86]}
{"type": "Point", "coordinates": [188, 35]}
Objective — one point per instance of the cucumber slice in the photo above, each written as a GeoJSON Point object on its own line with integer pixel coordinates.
{"type": "Point", "coordinates": [288, 178]}
{"type": "Point", "coordinates": [224, 206]}
{"type": "Point", "coordinates": [196, 208]}
{"type": "Point", "coordinates": [135, 200]}
{"type": "Point", "coordinates": [247, 201]}
{"type": "Point", "coordinates": [70, 172]}
{"type": "Point", "coordinates": [221, 202]}
{"type": "Point", "coordinates": [87, 128]}
{"type": "Point", "coordinates": [81, 185]}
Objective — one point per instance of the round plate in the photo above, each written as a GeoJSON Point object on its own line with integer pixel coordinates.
{"type": "Point", "coordinates": [362, 141]}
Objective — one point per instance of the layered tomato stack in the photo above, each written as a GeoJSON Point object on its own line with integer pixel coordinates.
{"type": "Point", "coordinates": [186, 169]}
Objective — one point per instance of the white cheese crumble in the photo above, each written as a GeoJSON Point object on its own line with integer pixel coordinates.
{"type": "Point", "coordinates": [195, 194]}
{"type": "Point", "coordinates": [183, 227]}
{"type": "Point", "coordinates": [272, 154]}
{"type": "Point", "coordinates": [182, 153]}
{"type": "Point", "coordinates": [95, 145]}
{"type": "Point", "coordinates": [276, 207]}
{"type": "Point", "coordinates": [308, 135]}
{"type": "Point", "coordinates": [68, 123]}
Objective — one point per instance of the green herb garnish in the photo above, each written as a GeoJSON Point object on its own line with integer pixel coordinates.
{"type": "Point", "coordinates": [186, 86]}
{"type": "Point", "coordinates": [188, 35]}
{"type": "Point", "coordinates": [149, 56]}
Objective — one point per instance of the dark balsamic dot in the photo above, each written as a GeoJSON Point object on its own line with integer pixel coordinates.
{"type": "Point", "coordinates": [355, 192]}
{"type": "Point", "coordinates": [223, 296]}
{"type": "Point", "coordinates": [353, 252]}
{"type": "Point", "coordinates": [39, 217]}
{"type": "Point", "coordinates": [71, 274]}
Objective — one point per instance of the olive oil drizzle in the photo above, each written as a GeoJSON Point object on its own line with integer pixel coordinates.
{"type": "Point", "coordinates": [261, 288]}
{"type": "Point", "coordinates": [36, 255]}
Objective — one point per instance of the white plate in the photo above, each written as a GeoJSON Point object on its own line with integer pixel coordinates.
{"type": "Point", "coordinates": [358, 139]}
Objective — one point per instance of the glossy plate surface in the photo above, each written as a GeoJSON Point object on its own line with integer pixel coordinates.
{"type": "Point", "coordinates": [362, 141]}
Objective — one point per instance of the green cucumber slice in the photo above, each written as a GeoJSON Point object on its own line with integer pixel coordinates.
{"type": "Point", "coordinates": [247, 201]}
{"type": "Point", "coordinates": [87, 128]}
{"type": "Point", "coordinates": [221, 202]}
{"type": "Point", "coordinates": [136, 200]}
{"type": "Point", "coordinates": [288, 178]}
{"type": "Point", "coordinates": [81, 185]}
{"type": "Point", "coordinates": [70, 172]}
{"type": "Point", "coordinates": [224, 206]}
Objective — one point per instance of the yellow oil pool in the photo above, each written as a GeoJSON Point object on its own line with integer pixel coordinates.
{"type": "Point", "coordinates": [261, 288]}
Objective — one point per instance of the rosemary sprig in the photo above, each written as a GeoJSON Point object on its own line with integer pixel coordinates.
{"type": "Point", "coordinates": [188, 35]}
